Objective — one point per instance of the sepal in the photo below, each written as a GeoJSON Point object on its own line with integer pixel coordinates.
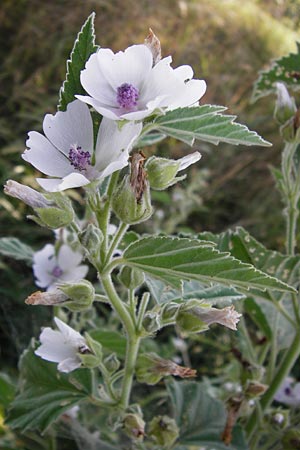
{"type": "Point", "coordinates": [81, 294]}
{"type": "Point", "coordinates": [163, 430]}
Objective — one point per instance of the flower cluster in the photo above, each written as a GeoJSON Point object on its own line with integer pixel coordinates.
{"type": "Point", "coordinates": [127, 86]}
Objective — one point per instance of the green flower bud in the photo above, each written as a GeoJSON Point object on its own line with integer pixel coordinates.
{"type": "Point", "coordinates": [291, 439]}
{"type": "Point", "coordinates": [151, 369]}
{"type": "Point", "coordinates": [188, 322]}
{"type": "Point", "coordinates": [169, 313]}
{"type": "Point", "coordinates": [151, 322]}
{"type": "Point", "coordinates": [163, 430]}
{"type": "Point", "coordinates": [134, 426]}
{"type": "Point", "coordinates": [162, 171]}
{"type": "Point", "coordinates": [81, 294]}
{"type": "Point", "coordinates": [59, 215]}
{"type": "Point", "coordinates": [92, 358]}
{"type": "Point", "coordinates": [285, 107]}
{"type": "Point", "coordinates": [280, 418]}
{"type": "Point", "coordinates": [111, 363]}
{"type": "Point", "coordinates": [91, 239]}
{"type": "Point", "coordinates": [128, 208]}
{"type": "Point", "coordinates": [131, 278]}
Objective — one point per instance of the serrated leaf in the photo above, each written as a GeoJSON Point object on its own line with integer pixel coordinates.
{"type": "Point", "coordinates": [214, 295]}
{"type": "Point", "coordinates": [45, 393]}
{"type": "Point", "coordinates": [14, 248]}
{"type": "Point", "coordinates": [110, 340]}
{"type": "Point", "coordinates": [200, 418]}
{"type": "Point", "coordinates": [206, 123]}
{"type": "Point", "coordinates": [84, 46]}
{"type": "Point", "coordinates": [285, 70]}
{"type": "Point", "coordinates": [175, 259]}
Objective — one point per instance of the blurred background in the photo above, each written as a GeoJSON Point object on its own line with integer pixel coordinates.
{"type": "Point", "coordinates": [226, 42]}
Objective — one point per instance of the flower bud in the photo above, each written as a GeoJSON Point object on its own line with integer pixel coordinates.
{"type": "Point", "coordinates": [111, 363]}
{"type": "Point", "coordinates": [255, 389]}
{"type": "Point", "coordinates": [134, 426]}
{"type": "Point", "coordinates": [280, 418]}
{"type": "Point", "coordinates": [26, 194]}
{"type": "Point", "coordinates": [59, 215]}
{"type": "Point", "coordinates": [93, 357]}
{"type": "Point", "coordinates": [131, 278]}
{"type": "Point", "coordinates": [285, 107]}
{"type": "Point", "coordinates": [91, 239]}
{"type": "Point", "coordinates": [151, 322]}
{"type": "Point", "coordinates": [291, 439]}
{"type": "Point", "coordinates": [162, 171]}
{"type": "Point", "coordinates": [151, 369]}
{"type": "Point", "coordinates": [169, 313]}
{"type": "Point", "coordinates": [163, 430]}
{"type": "Point", "coordinates": [81, 294]}
{"type": "Point", "coordinates": [128, 208]}
{"type": "Point", "coordinates": [194, 317]}
{"type": "Point", "coordinates": [153, 43]}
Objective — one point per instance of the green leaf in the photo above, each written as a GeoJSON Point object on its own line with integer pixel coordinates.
{"type": "Point", "coordinates": [45, 393]}
{"type": "Point", "coordinates": [205, 123]}
{"type": "Point", "coordinates": [285, 70]}
{"type": "Point", "coordinates": [174, 259]}
{"type": "Point", "coordinates": [255, 312]}
{"type": "Point", "coordinates": [84, 46]}
{"type": "Point", "coordinates": [110, 340]}
{"type": "Point", "coordinates": [150, 139]}
{"type": "Point", "coordinates": [200, 418]}
{"type": "Point", "coordinates": [14, 248]}
{"type": "Point", "coordinates": [7, 390]}
{"type": "Point", "coordinates": [214, 295]}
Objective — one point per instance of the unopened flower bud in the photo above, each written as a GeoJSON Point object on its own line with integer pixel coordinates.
{"type": "Point", "coordinates": [255, 389]}
{"type": "Point", "coordinates": [127, 207]}
{"type": "Point", "coordinates": [291, 439]}
{"type": "Point", "coordinates": [169, 313]}
{"type": "Point", "coordinates": [151, 369]}
{"type": "Point", "coordinates": [93, 356]}
{"type": "Point", "coordinates": [163, 430]}
{"type": "Point", "coordinates": [48, 298]}
{"type": "Point", "coordinates": [280, 418]}
{"type": "Point", "coordinates": [131, 278]}
{"type": "Point", "coordinates": [151, 322]}
{"type": "Point", "coordinates": [152, 42]}
{"type": "Point", "coordinates": [285, 107]}
{"type": "Point", "coordinates": [80, 294]}
{"type": "Point", "coordinates": [162, 171]}
{"type": "Point", "coordinates": [111, 363]}
{"type": "Point", "coordinates": [194, 317]}
{"type": "Point", "coordinates": [26, 194]}
{"type": "Point", "coordinates": [91, 239]}
{"type": "Point", "coordinates": [134, 426]}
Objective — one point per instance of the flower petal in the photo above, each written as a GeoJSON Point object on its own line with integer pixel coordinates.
{"type": "Point", "coordinates": [73, 126]}
{"type": "Point", "coordinates": [75, 274]}
{"type": "Point", "coordinates": [111, 112]}
{"type": "Point", "coordinates": [52, 346]}
{"type": "Point", "coordinates": [113, 144]}
{"type": "Point", "coordinates": [71, 336]}
{"type": "Point", "coordinates": [45, 157]}
{"type": "Point", "coordinates": [67, 259]}
{"type": "Point", "coordinates": [69, 364]}
{"type": "Point", "coordinates": [44, 262]}
{"type": "Point", "coordinates": [190, 93]}
{"type": "Point", "coordinates": [72, 180]}
{"type": "Point", "coordinates": [187, 160]}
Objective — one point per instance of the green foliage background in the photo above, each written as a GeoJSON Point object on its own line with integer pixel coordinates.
{"type": "Point", "coordinates": [226, 42]}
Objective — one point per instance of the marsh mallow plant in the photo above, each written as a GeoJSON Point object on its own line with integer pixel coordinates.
{"type": "Point", "coordinates": [105, 353]}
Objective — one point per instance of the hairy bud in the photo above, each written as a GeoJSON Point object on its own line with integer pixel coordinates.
{"type": "Point", "coordinates": [80, 294]}
{"type": "Point", "coordinates": [134, 426]}
{"type": "Point", "coordinates": [131, 278]}
{"type": "Point", "coordinates": [163, 430]}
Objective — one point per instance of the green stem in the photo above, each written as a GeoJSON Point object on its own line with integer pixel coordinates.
{"type": "Point", "coordinates": [130, 362]}
{"type": "Point", "coordinates": [118, 305]}
{"type": "Point", "coordinates": [286, 366]}
{"type": "Point", "coordinates": [142, 309]}
{"type": "Point", "coordinates": [116, 240]}
{"type": "Point", "coordinates": [291, 227]}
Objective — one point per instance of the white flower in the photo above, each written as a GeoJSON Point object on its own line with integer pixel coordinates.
{"type": "Point", "coordinates": [50, 269]}
{"type": "Point", "coordinates": [228, 317]}
{"type": "Point", "coordinates": [62, 346]}
{"type": "Point", "coordinates": [289, 392]}
{"type": "Point", "coordinates": [67, 151]}
{"type": "Point", "coordinates": [126, 85]}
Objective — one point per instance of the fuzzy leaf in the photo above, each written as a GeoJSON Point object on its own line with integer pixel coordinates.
{"type": "Point", "coordinates": [45, 393]}
{"type": "Point", "coordinates": [200, 418]}
{"type": "Point", "coordinates": [174, 259]}
{"type": "Point", "coordinates": [214, 295]}
{"type": "Point", "coordinates": [206, 123]}
{"type": "Point", "coordinates": [285, 70]}
{"type": "Point", "coordinates": [14, 248]}
{"type": "Point", "coordinates": [84, 46]}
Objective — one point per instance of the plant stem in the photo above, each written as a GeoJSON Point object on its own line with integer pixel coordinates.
{"type": "Point", "coordinates": [116, 240]}
{"type": "Point", "coordinates": [142, 309]}
{"type": "Point", "coordinates": [130, 362]}
{"type": "Point", "coordinates": [287, 364]}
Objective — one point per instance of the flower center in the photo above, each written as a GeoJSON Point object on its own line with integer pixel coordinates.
{"type": "Point", "coordinates": [78, 158]}
{"type": "Point", "coordinates": [127, 96]}
{"type": "Point", "coordinates": [57, 272]}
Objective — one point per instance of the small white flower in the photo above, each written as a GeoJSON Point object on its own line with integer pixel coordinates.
{"type": "Point", "coordinates": [228, 317]}
{"type": "Point", "coordinates": [67, 151]}
{"type": "Point", "coordinates": [50, 269]}
{"type": "Point", "coordinates": [62, 346]}
{"type": "Point", "coordinates": [289, 392]}
{"type": "Point", "coordinates": [126, 85]}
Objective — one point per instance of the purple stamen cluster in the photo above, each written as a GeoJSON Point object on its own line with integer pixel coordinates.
{"type": "Point", "coordinates": [127, 96]}
{"type": "Point", "coordinates": [78, 158]}
{"type": "Point", "coordinates": [57, 272]}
